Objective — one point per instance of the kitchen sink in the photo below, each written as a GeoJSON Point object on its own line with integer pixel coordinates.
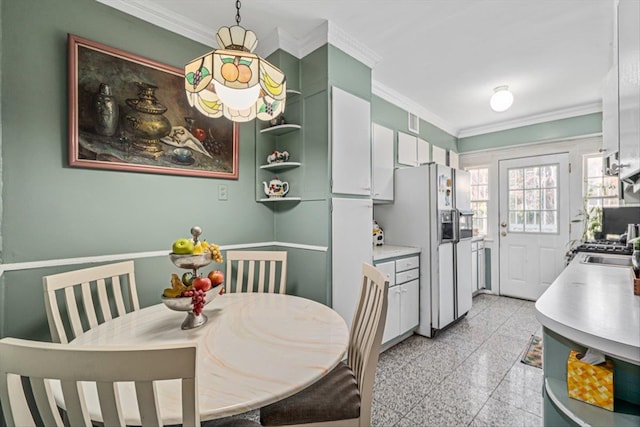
{"type": "Point", "coordinates": [617, 261]}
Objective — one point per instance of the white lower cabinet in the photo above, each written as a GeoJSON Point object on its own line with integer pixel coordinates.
{"type": "Point", "coordinates": [477, 266]}
{"type": "Point", "coordinates": [474, 266]}
{"type": "Point", "coordinates": [403, 296]}
{"type": "Point", "coordinates": [481, 266]}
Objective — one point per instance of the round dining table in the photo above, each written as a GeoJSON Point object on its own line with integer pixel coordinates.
{"type": "Point", "coordinates": [255, 349]}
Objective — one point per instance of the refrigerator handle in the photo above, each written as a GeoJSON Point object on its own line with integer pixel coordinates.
{"type": "Point", "coordinates": [456, 226]}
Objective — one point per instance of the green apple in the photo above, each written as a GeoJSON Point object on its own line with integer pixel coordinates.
{"type": "Point", "coordinates": [183, 247]}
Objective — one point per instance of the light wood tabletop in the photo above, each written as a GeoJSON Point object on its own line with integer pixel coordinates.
{"type": "Point", "coordinates": [254, 350]}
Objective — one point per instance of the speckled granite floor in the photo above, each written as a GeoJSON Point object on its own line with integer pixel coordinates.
{"type": "Point", "coordinates": [469, 375]}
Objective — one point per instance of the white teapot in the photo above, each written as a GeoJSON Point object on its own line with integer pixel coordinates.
{"type": "Point", "coordinates": [276, 188]}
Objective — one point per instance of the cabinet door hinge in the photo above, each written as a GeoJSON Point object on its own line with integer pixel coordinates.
{"type": "Point", "coordinates": [569, 167]}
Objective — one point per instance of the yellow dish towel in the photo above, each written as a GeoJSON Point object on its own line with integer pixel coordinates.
{"type": "Point", "coordinates": [590, 383]}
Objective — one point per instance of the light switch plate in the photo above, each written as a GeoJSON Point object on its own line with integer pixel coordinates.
{"type": "Point", "coordinates": [223, 192]}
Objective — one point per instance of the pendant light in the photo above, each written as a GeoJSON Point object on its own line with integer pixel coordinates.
{"type": "Point", "coordinates": [233, 81]}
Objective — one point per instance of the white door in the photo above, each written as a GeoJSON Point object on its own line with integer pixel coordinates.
{"type": "Point", "coordinates": [351, 245]}
{"type": "Point", "coordinates": [350, 144]}
{"type": "Point", "coordinates": [534, 223]}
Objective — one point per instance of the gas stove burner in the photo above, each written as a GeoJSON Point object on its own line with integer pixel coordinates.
{"type": "Point", "coordinates": [605, 247]}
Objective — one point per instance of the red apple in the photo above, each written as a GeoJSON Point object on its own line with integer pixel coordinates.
{"type": "Point", "coordinates": [216, 277]}
{"type": "Point", "coordinates": [200, 134]}
{"type": "Point", "coordinates": [202, 283]}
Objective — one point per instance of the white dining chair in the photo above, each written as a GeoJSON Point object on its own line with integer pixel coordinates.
{"type": "Point", "coordinates": [41, 362]}
{"type": "Point", "coordinates": [343, 397]}
{"type": "Point", "coordinates": [83, 316]}
{"type": "Point", "coordinates": [243, 277]}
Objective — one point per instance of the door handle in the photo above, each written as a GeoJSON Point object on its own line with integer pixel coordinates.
{"type": "Point", "coordinates": [504, 233]}
{"type": "Point", "coordinates": [503, 224]}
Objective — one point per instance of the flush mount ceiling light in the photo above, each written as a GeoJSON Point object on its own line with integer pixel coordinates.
{"type": "Point", "coordinates": [501, 99]}
{"type": "Point", "coordinates": [233, 81]}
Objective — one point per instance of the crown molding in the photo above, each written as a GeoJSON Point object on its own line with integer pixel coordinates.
{"type": "Point", "coordinates": [565, 113]}
{"type": "Point", "coordinates": [409, 105]}
{"type": "Point", "coordinates": [278, 39]}
{"type": "Point", "coordinates": [163, 18]}
{"type": "Point", "coordinates": [317, 37]}
{"type": "Point", "coordinates": [353, 47]}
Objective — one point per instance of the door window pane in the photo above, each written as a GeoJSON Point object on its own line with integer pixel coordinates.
{"type": "Point", "coordinates": [516, 200]}
{"type": "Point", "coordinates": [549, 199]}
{"type": "Point", "coordinates": [516, 178]}
{"type": "Point", "coordinates": [516, 221]}
{"type": "Point", "coordinates": [533, 199]}
{"type": "Point", "coordinates": [549, 176]}
{"type": "Point", "coordinates": [549, 221]}
{"type": "Point", "coordinates": [532, 177]}
{"type": "Point", "coordinates": [532, 221]}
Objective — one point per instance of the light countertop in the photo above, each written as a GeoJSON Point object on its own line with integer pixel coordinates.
{"type": "Point", "coordinates": [594, 305]}
{"type": "Point", "coordinates": [392, 251]}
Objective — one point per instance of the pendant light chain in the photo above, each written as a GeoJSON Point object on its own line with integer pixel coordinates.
{"type": "Point", "coordinates": [238, 12]}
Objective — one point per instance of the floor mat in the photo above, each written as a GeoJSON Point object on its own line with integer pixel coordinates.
{"type": "Point", "coordinates": [533, 353]}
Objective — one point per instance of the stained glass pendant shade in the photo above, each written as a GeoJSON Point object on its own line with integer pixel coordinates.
{"type": "Point", "coordinates": [233, 81]}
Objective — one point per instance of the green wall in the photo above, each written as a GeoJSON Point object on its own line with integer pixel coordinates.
{"type": "Point", "coordinates": [52, 211]}
{"type": "Point", "coordinates": [547, 131]}
{"type": "Point", "coordinates": [393, 117]}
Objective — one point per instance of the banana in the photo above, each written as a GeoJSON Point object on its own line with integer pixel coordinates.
{"type": "Point", "coordinates": [172, 292]}
{"type": "Point", "coordinates": [272, 87]}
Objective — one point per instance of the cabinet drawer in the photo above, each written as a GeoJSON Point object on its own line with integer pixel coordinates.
{"type": "Point", "coordinates": [389, 270]}
{"type": "Point", "coordinates": [407, 263]}
{"type": "Point", "coordinates": [407, 276]}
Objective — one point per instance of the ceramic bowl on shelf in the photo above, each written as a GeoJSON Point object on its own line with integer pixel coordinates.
{"type": "Point", "coordinates": [191, 261]}
{"type": "Point", "coordinates": [184, 303]}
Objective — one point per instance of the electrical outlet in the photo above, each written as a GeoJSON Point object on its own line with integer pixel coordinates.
{"type": "Point", "coordinates": [223, 192]}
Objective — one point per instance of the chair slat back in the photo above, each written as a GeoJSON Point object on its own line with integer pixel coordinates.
{"type": "Point", "coordinates": [366, 333]}
{"type": "Point", "coordinates": [276, 261]}
{"type": "Point", "coordinates": [106, 366]}
{"type": "Point", "coordinates": [107, 289]}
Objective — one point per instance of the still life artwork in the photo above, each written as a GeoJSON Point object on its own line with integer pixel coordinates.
{"type": "Point", "coordinates": [130, 113]}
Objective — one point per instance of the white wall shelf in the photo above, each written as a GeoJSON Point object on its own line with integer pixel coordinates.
{"type": "Point", "coordinates": [280, 129]}
{"type": "Point", "coordinates": [281, 165]}
{"type": "Point", "coordinates": [280, 199]}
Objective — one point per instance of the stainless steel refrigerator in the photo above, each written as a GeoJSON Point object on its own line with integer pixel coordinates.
{"type": "Point", "coordinates": [431, 210]}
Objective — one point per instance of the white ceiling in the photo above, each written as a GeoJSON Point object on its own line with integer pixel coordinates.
{"type": "Point", "coordinates": [440, 59]}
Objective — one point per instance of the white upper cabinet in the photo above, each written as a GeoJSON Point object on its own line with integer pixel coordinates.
{"type": "Point", "coordinates": [439, 155]}
{"type": "Point", "coordinates": [412, 151]}
{"type": "Point", "coordinates": [454, 160]}
{"type": "Point", "coordinates": [422, 152]}
{"type": "Point", "coordinates": [350, 144]}
{"type": "Point", "coordinates": [610, 112]}
{"type": "Point", "coordinates": [382, 159]}
{"type": "Point", "coordinates": [629, 87]}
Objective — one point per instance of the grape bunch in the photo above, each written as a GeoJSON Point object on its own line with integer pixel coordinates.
{"type": "Point", "coordinates": [197, 299]}
{"type": "Point", "coordinates": [214, 147]}
{"type": "Point", "coordinates": [214, 249]}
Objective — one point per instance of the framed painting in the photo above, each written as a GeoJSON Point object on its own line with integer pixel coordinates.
{"type": "Point", "coordinates": [131, 113]}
